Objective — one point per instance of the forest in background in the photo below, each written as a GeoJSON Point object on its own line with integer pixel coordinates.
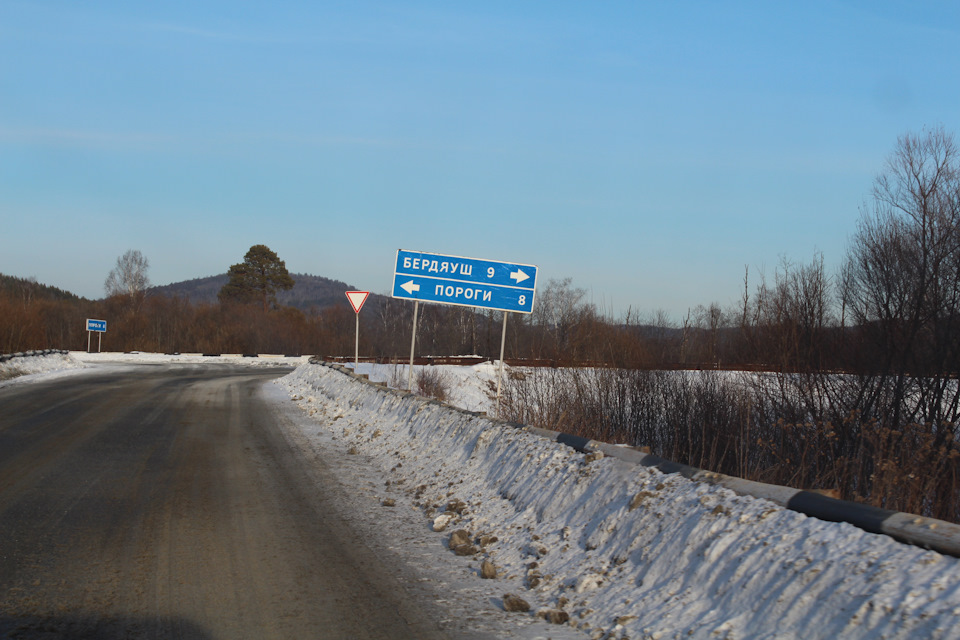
{"type": "Point", "coordinates": [564, 329]}
{"type": "Point", "coordinates": [858, 393]}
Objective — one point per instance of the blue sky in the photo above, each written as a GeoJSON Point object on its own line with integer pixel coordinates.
{"type": "Point", "coordinates": [650, 151]}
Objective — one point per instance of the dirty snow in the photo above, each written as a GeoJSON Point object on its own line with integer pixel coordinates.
{"type": "Point", "coordinates": [472, 388]}
{"type": "Point", "coordinates": [624, 551]}
{"type": "Point", "coordinates": [60, 363]}
{"type": "Point", "coordinates": [627, 551]}
{"type": "Point", "coordinates": [138, 357]}
{"type": "Point", "coordinates": [33, 365]}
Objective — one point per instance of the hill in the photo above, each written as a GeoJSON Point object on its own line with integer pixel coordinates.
{"type": "Point", "coordinates": [308, 291]}
{"type": "Point", "coordinates": [30, 289]}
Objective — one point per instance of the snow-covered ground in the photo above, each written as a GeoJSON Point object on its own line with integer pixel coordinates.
{"type": "Point", "coordinates": [46, 364]}
{"type": "Point", "coordinates": [30, 368]}
{"type": "Point", "coordinates": [188, 358]}
{"type": "Point", "coordinates": [32, 365]}
{"type": "Point", "coordinates": [607, 549]}
{"type": "Point", "coordinates": [626, 551]}
{"type": "Point", "coordinates": [472, 388]}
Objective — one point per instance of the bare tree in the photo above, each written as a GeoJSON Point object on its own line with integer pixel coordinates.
{"type": "Point", "coordinates": [902, 281]}
{"type": "Point", "coordinates": [560, 306]}
{"type": "Point", "coordinates": [129, 276]}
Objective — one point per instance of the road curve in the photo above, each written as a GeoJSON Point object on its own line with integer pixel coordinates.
{"type": "Point", "coordinates": [162, 502]}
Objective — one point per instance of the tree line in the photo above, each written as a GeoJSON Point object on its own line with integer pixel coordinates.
{"type": "Point", "coordinates": [892, 309]}
{"type": "Point", "coordinates": [859, 394]}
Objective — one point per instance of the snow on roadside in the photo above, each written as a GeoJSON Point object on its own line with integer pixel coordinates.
{"type": "Point", "coordinates": [30, 368]}
{"type": "Point", "coordinates": [473, 387]}
{"type": "Point", "coordinates": [626, 551]}
{"type": "Point", "coordinates": [141, 357]}
{"type": "Point", "coordinates": [30, 365]}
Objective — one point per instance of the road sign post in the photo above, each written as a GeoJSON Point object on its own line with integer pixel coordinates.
{"type": "Point", "coordinates": [357, 298]}
{"type": "Point", "coordinates": [413, 344]}
{"type": "Point", "coordinates": [96, 326]}
{"type": "Point", "coordinates": [468, 282]}
{"type": "Point", "coordinates": [503, 344]}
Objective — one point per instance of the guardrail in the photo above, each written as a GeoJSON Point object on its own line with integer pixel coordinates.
{"type": "Point", "coordinates": [928, 533]}
{"type": "Point", "coordinates": [4, 357]}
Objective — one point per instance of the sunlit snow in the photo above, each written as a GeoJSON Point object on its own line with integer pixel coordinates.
{"type": "Point", "coordinates": [629, 550]}
{"type": "Point", "coordinates": [625, 551]}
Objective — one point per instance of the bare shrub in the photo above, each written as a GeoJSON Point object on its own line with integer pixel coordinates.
{"type": "Point", "coordinates": [799, 430]}
{"type": "Point", "coordinates": [398, 377]}
{"type": "Point", "coordinates": [431, 382]}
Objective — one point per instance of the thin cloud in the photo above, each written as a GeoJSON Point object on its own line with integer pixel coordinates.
{"type": "Point", "coordinates": [207, 34]}
{"type": "Point", "coordinates": [83, 138]}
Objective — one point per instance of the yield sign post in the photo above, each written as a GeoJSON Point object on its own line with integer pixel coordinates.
{"type": "Point", "coordinates": [357, 298]}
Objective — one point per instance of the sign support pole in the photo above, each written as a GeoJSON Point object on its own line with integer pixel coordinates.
{"type": "Point", "coordinates": [413, 342]}
{"type": "Point", "coordinates": [503, 343]}
{"type": "Point", "coordinates": [88, 340]}
{"type": "Point", "coordinates": [466, 282]}
{"type": "Point", "coordinates": [356, 347]}
{"type": "Point", "coordinates": [99, 341]}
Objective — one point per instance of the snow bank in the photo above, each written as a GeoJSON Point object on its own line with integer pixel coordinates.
{"type": "Point", "coordinates": [473, 387]}
{"type": "Point", "coordinates": [138, 357]}
{"type": "Point", "coordinates": [63, 363]}
{"type": "Point", "coordinates": [627, 551]}
{"type": "Point", "coordinates": [32, 364]}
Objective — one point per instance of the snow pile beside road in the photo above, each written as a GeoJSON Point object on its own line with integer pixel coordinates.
{"type": "Point", "coordinates": [56, 363]}
{"type": "Point", "coordinates": [32, 364]}
{"type": "Point", "coordinates": [138, 357]}
{"type": "Point", "coordinates": [473, 387]}
{"type": "Point", "coordinates": [626, 551]}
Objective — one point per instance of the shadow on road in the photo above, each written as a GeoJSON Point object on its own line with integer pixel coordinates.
{"type": "Point", "coordinates": [82, 627]}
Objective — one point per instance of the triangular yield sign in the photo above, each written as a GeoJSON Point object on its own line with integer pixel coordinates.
{"type": "Point", "coordinates": [357, 298]}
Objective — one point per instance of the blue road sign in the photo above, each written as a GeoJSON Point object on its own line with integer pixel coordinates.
{"type": "Point", "coordinates": [97, 325]}
{"type": "Point", "coordinates": [468, 282]}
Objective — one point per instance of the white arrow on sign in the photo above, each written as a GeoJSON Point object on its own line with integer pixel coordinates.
{"type": "Point", "coordinates": [519, 276]}
{"type": "Point", "coordinates": [410, 287]}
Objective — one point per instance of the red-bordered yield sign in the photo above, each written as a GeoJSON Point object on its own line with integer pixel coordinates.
{"type": "Point", "coordinates": [357, 298]}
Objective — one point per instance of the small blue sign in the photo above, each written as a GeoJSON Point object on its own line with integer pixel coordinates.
{"type": "Point", "coordinates": [99, 326]}
{"type": "Point", "coordinates": [469, 282]}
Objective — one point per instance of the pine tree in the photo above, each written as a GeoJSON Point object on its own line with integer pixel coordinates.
{"type": "Point", "coordinates": [258, 277]}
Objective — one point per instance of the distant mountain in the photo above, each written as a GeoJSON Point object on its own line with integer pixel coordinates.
{"type": "Point", "coordinates": [307, 292]}
{"type": "Point", "coordinates": [198, 290]}
{"type": "Point", "coordinates": [28, 288]}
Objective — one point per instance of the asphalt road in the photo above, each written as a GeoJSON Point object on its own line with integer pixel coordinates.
{"type": "Point", "coordinates": [163, 502]}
